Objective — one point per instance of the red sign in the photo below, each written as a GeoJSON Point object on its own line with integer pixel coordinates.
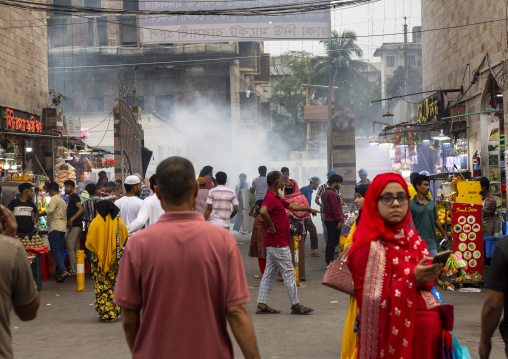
{"type": "Point", "coordinates": [20, 121]}
{"type": "Point", "coordinates": [467, 235]}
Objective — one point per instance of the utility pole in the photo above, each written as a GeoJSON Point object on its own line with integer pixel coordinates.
{"type": "Point", "coordinates": [330, 126]}
{"type": "Point", "coordinates": [134, 91]}
{"type": "Point", "coordinates": [120, 115]}
{"type": "Point", "coordinates": [406, 69]}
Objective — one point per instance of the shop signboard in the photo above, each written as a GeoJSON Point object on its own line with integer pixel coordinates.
{"type": "Point", "coordinates": [73, 125]}
{"type": "Point", "coordinates": [467, 236]}
{"type": "Point", "coordinates": [431, 109]}
{"type": "Point", "coordinates": [20, 121]}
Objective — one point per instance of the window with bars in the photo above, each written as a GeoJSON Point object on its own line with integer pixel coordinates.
{"type": "Point", "coordinates": [390, 61]}
{"type": "Point", "coordinates": [128, 31]}
{"type": "Point", "coordinates": [92, 4]}
{"type": "Point", "coordinates": [131, 5]}
{"type": "Point", "coordinates": [57, 32]}
{"type": "Point", "coordinates": [60, 3]}
{"type": "Point", "coordinates": [97, 34]}
{"type": "Point", "coordinates": [411, 60]}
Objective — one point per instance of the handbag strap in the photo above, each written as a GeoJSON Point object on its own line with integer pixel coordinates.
{"type": "Point", "coordinates": [117, 239]}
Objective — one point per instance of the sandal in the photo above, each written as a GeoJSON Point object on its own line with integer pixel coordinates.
{"type": "Point", "coordinates": [258, 276]}
{"type": "Point", "coordinates": [63, 277]}
{"type": "Point", "coordinates": [301, 310]}
{"type": "Point", "coordinates": [266, 310]}
{"type": "Point", "coordinates": [315, 254]}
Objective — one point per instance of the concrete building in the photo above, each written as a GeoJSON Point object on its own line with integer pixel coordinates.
{"type": "Point", "coordinates": [23, 91]}
{"type": "Point", "coordinates": [471, 56]}
{"type": "Point", "coordinates": [23, 62]}
{"type": "Point", "coordinates": [194, 87]}
{"type": "Point", "coordinates": [392, 56]}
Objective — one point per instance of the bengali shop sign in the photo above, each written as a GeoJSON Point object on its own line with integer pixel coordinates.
{"type": "Point", "coordinates": [20, 121]}
{"type": "Point", "coordinates": [154, 29]}
{"type": "Point", "coordinates": [467, 235]}
{"type": "Point", "coordinates": [431, 109]}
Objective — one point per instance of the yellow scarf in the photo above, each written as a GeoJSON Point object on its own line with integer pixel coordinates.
{"type": "Point", "coordinates": [101, 239]}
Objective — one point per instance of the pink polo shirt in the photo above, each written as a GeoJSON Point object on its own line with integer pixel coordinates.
{"type": "Point", "coordinates": [183, 273]}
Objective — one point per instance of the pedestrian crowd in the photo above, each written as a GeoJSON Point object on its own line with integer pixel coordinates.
{"type": "Point", "coordinates": [169, 247]}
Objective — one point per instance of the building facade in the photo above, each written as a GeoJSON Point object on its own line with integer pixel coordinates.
{"type": "Point", "coordinates": [391, 55]}
{"type": "Point", "coordinates": [23, 61]}
{"type": "Point", "coordinates": [464, 47]}
{"type": "Point", "coordinates": [213, 92]}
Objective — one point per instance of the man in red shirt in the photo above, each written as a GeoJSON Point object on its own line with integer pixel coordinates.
{"type": "Point", "coordinates": [278, 254]}
{"type": "Point", "coordinates": [187, 277]}
{"type": "Point", "coordinates": [334, 216]}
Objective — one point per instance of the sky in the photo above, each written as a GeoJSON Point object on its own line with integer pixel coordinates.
{"type": "Point", "coordinates": [377, 18]}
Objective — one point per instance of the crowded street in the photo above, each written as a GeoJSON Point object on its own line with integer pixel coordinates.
{"type": "Point", "coordinates": [253, 179]}
{"type": "Point", "coordinates": [75, 332]}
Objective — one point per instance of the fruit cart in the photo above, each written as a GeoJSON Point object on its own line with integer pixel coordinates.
{"type": "Point", "coordinates": [35, 249]}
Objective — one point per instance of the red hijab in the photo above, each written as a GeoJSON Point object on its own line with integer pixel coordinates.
{"type": "Point", "coordinates": [373, 226]}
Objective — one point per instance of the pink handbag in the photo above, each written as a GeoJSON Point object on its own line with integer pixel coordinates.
{"type": "Point", "coordinates": [338, 275]}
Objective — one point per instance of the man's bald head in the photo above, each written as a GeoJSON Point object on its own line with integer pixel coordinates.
{"type": "Point", "coordinates": [176, 180]}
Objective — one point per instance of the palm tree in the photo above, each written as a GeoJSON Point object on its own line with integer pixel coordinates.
{"type": "Point", "coordinates": [338, 66]}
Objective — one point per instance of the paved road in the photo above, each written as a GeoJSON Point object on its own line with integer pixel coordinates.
{"type": "Point", "coordinates": [67, 326]}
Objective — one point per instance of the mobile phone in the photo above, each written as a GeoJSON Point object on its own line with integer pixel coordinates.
{"type": "Point", "coordinates": [442, 257]}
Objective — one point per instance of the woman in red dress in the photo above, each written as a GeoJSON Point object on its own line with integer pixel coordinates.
{"type": "Point", "coordinates": [399, 315]}
{"type": "Point", "coordinates": [292, 194]}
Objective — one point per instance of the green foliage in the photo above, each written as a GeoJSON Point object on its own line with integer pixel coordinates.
{"type": "Point", "coordinates": [363, 93]}
{"type": "Point", "coordinates": [56, 97]}
{"type": "Point", "coordinates": [289, 92]}
{"type": "Point", "coordinates": [339, 65]}
{"type": "Point", "coordinates": [396, 85]}
{"type": "Point", "coordinates": [293, 135]}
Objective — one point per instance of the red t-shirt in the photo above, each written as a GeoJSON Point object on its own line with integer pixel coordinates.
{"type": "Point", "coordinates": [277, 211]}
{"type": "Point", "coordinates": [183, 272]}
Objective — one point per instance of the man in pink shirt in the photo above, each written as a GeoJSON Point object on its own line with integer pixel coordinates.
{"type": "Point", "coordinates": [187, 277]}
{"type": "Point", "coordinates": [200, 205]}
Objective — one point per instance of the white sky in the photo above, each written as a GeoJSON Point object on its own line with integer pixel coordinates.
{"type": "Point", "coordinates": [377, 18]}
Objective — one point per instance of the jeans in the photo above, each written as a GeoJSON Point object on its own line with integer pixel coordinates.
{"type": "Point", "coordinates": [325, 230]}
{"type": "Point", "coordinates": [333, 239]}
{"type": "Point", "coordinates": [432, 252]}
{"type": "Point", "coordinates": [311, 229]}
{"type": "Point", "coordinates": [56, 241]}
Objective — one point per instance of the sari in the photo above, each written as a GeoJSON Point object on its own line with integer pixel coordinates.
{"type": "Point", "coordinates": [393, 308]}
{"type": "Point", "coordinates": [349, 337]}
{"type": "Point", "coordinates": [102, 242]}
{"type": "Point", "coordinates": [298, 216]}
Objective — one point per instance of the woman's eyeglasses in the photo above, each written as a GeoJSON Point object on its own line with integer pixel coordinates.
{"type": "Point", "coordinates": [388, 199]}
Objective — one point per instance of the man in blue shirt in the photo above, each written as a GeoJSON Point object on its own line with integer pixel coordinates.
{"type": "Point", "coordinates": [424, 213]}
{"type": "Point", "coordinates": [309, 225]}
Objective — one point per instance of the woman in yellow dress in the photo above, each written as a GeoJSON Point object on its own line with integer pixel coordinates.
{"type": "Point", "coordinates": [349, 338]}
{"type": "Point", "coordinates": [106, 237]}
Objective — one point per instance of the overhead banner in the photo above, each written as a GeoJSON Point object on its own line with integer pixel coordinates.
{"type": "Point", "coordinates": [155, 29]}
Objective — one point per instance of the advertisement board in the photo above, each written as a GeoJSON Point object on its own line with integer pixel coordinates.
{"type": "Point", "coordinates": [467, 236]}
{"type": "Point", "coordinates": [305, 25]}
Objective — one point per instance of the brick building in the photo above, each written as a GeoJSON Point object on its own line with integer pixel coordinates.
{"type": "Point", "coordinates": [211, 92]}
{"type": "Point", "coordinates": [23, 61]}
{"type": "Point", "coordinates": [471, 56]}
